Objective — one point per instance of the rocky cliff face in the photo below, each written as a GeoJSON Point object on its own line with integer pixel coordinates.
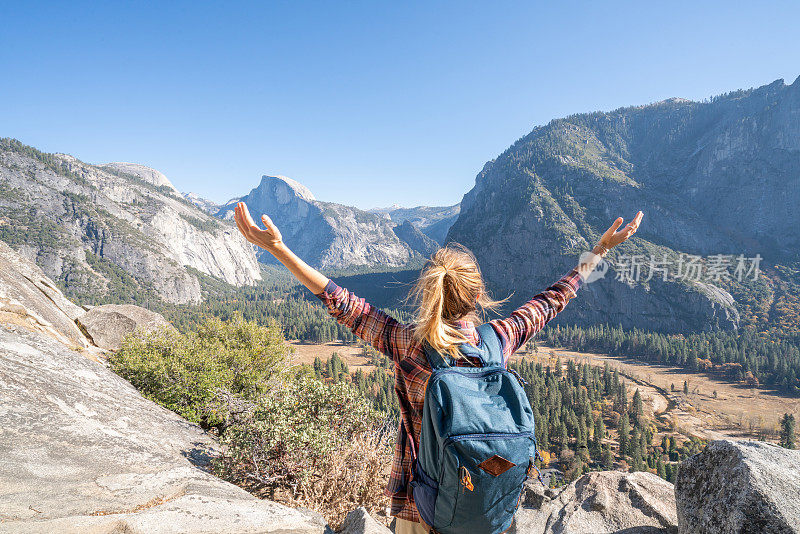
{"type": "Point", "coordinates": [324, 234]}
{"type": "Point", "coordinates": [113, 232]}
{"type": "Point", "coordinates": [718, 177]}
{"type": "Point", "coordinates": [413, 236]}
{"type": "Point", "coordinates": [147, 174]}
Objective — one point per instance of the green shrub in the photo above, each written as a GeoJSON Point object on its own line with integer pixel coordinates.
{"type": "Point", "coordinates": [199, 374]}
{"type": "Point", "coordinates": [285, 434]}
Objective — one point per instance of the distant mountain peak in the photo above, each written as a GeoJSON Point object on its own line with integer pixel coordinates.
{"type": "Point", "coordinates": [299, 189]}
{"type": "Point", "coordinates": [143, 172]}
{"type": "Point", "coordinates": [387, 209]}
{"type": "Point", "coordinates": [204, 204]}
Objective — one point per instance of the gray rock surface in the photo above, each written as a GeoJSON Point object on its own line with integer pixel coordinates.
{"type": "Point", "coordinates": [324, 234]}
{"type": "Point", "coordinates": [95, 228]}
{"type": "Point", "coordinates": [28, 298]}
{"type": "Point", "coordinates": [600, 502]}
{"type": "Point", "coordinates": [81, 451]}
{"type": "Point", "coordinates": [147, 174]}
{"type": "Point", "coordinates": [360, 522]}
{"type": "Point", "coordinates": [107, 325]}
{"type": "Point", "coordinates": [737, 487]}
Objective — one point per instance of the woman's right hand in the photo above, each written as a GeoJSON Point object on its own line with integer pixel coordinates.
{"type": "Point", "coordinates": [612, 238]}
{"type": "Point", "coordinates": [269, 238]}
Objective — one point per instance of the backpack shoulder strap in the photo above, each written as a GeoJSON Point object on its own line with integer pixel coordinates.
{"type": "Point", "coordinates": [491, 346]}
{"type": "Point", "coordinates": [436, 359]}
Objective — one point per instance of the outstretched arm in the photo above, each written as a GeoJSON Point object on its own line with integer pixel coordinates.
{"type": "Point", "coordinates": [541, 309]}
{"type": "Point", "coordinates": [367, 322]}
{"type": "Point", "coordinates": [270, 239]}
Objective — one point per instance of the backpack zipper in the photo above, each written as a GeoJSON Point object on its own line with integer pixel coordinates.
{"type": "Point", "coordinates": [486, 436]}
{"type": "Point", "coordinates": [481, 374]}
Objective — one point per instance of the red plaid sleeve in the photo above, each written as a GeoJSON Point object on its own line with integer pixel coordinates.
{"type": "Point", "coordinates": [531, 317]}
{"type": "Point", "coordinates": [380, 330]}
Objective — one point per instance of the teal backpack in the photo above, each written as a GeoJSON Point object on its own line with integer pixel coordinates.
{"type": "Point", "coordinates": [477, 444]}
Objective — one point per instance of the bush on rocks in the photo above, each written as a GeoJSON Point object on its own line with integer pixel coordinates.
{"type": "Point", "coordinates": [285, 434]}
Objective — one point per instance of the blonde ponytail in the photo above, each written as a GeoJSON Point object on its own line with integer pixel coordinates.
{"type": "Point", "coordinates": [449, 288]}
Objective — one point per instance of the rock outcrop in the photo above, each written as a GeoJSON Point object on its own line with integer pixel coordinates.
{"type": "Point", "coordinates": [107, 325]}
{"type": "Point", "coordinates": [81, 451]}
{"type": "Point", "coordinates": [324, 234]}
{"type": "Point", "coordinates": [717, 177]}
{"type": "Point", "coordinates": [119, 229]}
{"type": "Point", "coordinates": [360, 522]}
{"type": "Point", "coordinates": [734, 487]}
{"type": "Point", "coordinates": [28, 298]}
{"type": "Point", "coordinates": [600, 502]}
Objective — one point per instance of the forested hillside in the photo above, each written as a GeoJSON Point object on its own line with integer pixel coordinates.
{"type": "Point", "coordinates": [719, 184]}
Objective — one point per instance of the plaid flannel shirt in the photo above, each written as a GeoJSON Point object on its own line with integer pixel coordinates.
{"type": "Point", "coordinates": [411, 368]}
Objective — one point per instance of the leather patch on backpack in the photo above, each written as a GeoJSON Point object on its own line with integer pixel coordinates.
{"type": "Point", "coordinates": [496, 465]}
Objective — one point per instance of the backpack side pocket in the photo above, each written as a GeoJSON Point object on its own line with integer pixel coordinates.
{"type": "Point", "coordinates": [424, 492]}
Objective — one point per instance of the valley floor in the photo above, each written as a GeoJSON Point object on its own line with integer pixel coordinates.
{"type": "Point", "coordinates": [737, 411]}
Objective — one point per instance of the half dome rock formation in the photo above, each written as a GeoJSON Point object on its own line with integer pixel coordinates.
{"type": "Point", "coordinates": [324, 234]}
{"type": "Point", "coordinates": [600, 502]}
{"type": "Point", "coordinates": [101, 231]}
{"type": "Point", "coordinates": [739, 487]}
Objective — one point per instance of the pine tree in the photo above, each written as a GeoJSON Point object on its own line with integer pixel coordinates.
{"type": "Point", "coordinates": [624, 434]}
{"type": "Point", "coordinates": [660, 469]}
{"type": "Point", "coordinates": [787, 431]}
{"type": "Point", "coordinates": [608, 457]}
{"type": "Point", "coordinates": [597, 438]}
{"type": "Point", "coordinates": [637, 408]}
{"type": "Point", "coordinates": [563, 436]}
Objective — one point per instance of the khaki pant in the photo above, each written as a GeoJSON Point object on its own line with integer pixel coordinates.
{"type": "Point", "coordinates": [403, 526]}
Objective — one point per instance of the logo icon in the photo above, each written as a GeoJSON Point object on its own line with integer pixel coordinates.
{"type": "Point", "coordinates": [599, 271]}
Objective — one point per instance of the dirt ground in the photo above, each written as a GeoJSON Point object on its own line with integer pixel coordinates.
{"type": "Point", "coordinates": [737, 411]}
{"type": "Point", "coordinates": [304, 353]}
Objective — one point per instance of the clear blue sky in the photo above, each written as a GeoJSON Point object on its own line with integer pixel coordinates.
{"type": "Point", "coordinates": [367, 103]}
